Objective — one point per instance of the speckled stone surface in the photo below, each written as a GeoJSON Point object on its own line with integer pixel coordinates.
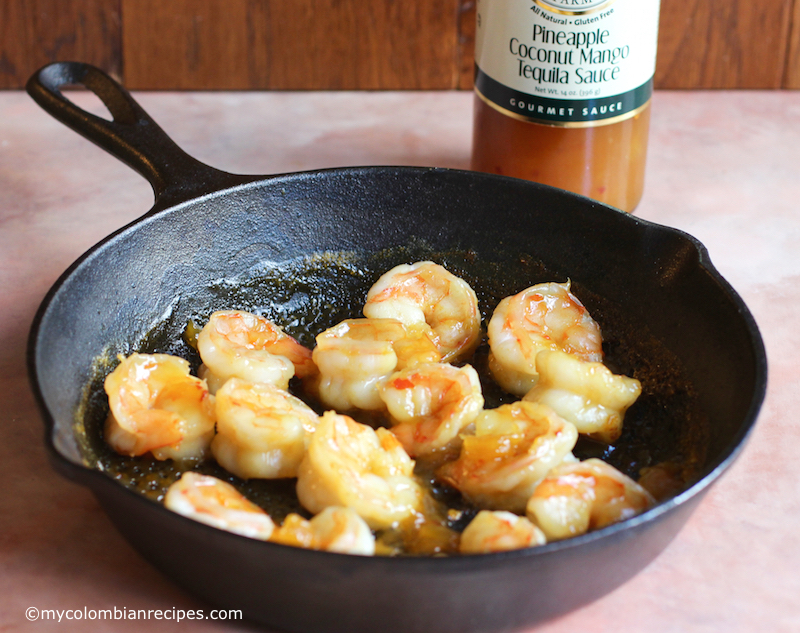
{"type": "Point", "coordinates": [723, 166]}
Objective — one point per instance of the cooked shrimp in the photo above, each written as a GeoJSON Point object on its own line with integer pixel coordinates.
{"type": "Point", "coordinates": [217, 503]}
{"type": "Point", "coordinates": [357, 355]}
{"type": "Point", "coordinates": [544, 316]}
{"type": "Point", "coordinates": [335, 529]}
{"type": "Point", "coordinates": [262, 431]}
{"type": "Point", "coordinates": [578, 497]}
{"type": "Point", "coordinates": [158, 407]}
{"type": "Point", "coordinates": [248, 346]}
{"type": "Point", "coordinates": [427, 293]}
{"type": "Point", "coordinates": [513, 448]}
{"type": "Point", "coordinates": [431, 404]}
{"type": "Point", "coordinates": [350, 464]}
{"type": "Point", "coordinates": [498, 531]}
{"type": "Point", "coordinates": [585, 393]}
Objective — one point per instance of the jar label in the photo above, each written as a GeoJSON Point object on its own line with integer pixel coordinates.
{"type": "Point", "coordinates": [573, 63]}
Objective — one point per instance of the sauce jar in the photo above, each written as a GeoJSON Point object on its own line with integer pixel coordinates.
{"type": "Point", "coordinates": [563, 91]}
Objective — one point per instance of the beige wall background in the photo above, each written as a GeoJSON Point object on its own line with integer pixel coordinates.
{"type": "Point", "coordinates": [361, 44]}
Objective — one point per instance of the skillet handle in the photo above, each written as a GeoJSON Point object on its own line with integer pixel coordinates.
{"type": "Point", "coordinates": [132, 136]}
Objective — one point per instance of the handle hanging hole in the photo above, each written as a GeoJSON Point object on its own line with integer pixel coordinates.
{"type": "Point", "coordinates": [86, 100]}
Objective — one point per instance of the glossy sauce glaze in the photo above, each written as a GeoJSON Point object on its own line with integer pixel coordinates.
{"type": "Point", "coordinates": [665, 426]}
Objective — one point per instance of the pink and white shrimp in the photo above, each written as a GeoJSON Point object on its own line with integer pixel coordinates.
{"type": "Point", "coordinates": [582, 496]}
{"type": "Point", "coordinates": [586, 393]}
{"type": "Point", "coordinates": [352, 465]}
{"type": "Point", "coordinates": [335, 529]}
{"type": "Point", "coordinates": [427, 293]}
{"type": "Point", "coordinates": [544, 316]}
{"type": "Point", "coordinates": [262, 431]}
{"type": "Point", "coordinates": [158, 407]}
{"type": "Point", "coordinates": [217, 503]}
{"type": "Point", "coordinates": [240, 344]}
{"type": "Point", "coordinates": [512, 450]}
{"type": "Point", "coordinates": [431, 404]}
{"type": "Point", "coordinates": [356, 356]}
{"type": "Point", "coordinates": [499, 531]}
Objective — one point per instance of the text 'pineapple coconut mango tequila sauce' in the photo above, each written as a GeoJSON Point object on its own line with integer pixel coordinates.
{"type": "Point", "coordinates": [562, 93]}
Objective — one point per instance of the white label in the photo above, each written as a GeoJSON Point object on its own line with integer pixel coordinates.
{"type": "Point", "coordinates": [566, 62]}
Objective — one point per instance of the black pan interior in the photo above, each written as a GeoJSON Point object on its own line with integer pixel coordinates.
{"type": "Point", "coordinates": [303, 249]}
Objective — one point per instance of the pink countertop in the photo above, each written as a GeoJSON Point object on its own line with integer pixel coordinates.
{"type": "Point", "coordinates": [723, 166]}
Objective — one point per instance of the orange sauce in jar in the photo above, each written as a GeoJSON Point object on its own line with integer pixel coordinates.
{"type": "Point", "coordinates": [563, 91]}
{"type": "Point", "coordinates": [604, 162]}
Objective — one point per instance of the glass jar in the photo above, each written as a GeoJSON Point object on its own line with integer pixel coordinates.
{"type": "Point", "coordinates": [562, 94]}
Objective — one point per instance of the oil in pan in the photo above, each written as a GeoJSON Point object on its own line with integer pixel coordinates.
{"type": "Point", "coordinates": [307, 295]}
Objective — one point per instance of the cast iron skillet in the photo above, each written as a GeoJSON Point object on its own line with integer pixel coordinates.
{"type": "Point", "coordinates": [207, 226]}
